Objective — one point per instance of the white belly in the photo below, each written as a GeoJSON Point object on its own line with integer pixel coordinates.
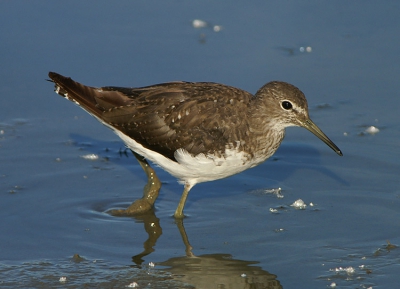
{"type": "Point", "coordinates": [195, 169]}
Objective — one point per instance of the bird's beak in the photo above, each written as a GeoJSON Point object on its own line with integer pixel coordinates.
{"type": "Point", "coordinates": [308, 124]}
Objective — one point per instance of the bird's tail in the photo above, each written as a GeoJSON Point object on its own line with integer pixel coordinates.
{"type": "Point", "coordinates": [84, 96]}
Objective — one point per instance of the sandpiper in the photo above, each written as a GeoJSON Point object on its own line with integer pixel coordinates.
{"type": "Point", "coordinates": [196, 131]}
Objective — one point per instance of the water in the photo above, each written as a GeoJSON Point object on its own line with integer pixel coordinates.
{"type": "Point", "coordinates": [54, 200]}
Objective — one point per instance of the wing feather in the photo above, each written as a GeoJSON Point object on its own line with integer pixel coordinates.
{"type": "Point", "coordinates": [198, 117]}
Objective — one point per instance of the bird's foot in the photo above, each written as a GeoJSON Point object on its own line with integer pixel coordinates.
{"type": "Point", "coordinates": [138, 207]}
{"type": "Point", "coordinates": [150, 192]}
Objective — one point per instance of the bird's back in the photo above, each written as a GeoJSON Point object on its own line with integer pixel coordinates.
{"type": "Point", "coordinates": [201, 117]}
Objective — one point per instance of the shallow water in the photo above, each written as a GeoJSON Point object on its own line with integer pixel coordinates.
{"type": "Point", "coordinates": [54, 198]}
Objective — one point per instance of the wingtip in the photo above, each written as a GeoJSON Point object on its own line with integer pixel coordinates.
{"type": "Point", "coordinates": [53, 75]}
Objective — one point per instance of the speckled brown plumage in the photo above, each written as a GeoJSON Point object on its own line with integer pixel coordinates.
{"type": "Point", "coordinates": [198, 131]}
{"type": "Point", "coordinates": [200, 117]}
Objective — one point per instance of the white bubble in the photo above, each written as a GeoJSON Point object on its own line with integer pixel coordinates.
{"type": "Point", "coordinates": [299, 204]}
{"type": "Point", "coordinates": [197, 23]}
{"type": "Point", "coordinates": [217, 28]}
{"type": "Point", "coordinates": [63, 279]}
{"type": "Point", "coordinates": [372, 130]}
{"type": "Point", "coordinates": [91, 157]}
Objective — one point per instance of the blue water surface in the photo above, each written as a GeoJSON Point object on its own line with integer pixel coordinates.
{"type": "Point", "coordinates": [54, 199]}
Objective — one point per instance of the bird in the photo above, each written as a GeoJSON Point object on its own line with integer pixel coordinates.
{"type": "Point", "coordinates": [196, 131]}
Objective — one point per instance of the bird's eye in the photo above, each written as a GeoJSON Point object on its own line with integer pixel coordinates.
{"type": "Point", "coordinates": [287, 105]}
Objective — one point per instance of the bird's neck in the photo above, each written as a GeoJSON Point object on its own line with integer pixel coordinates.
{"type": "Point", "coordinates": [266, 133]}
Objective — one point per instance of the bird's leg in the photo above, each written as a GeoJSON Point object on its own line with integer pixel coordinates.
{"type": "Point", "coordinates": [150, 191]}
{"type": "Point", "coordinates": [179, 210]}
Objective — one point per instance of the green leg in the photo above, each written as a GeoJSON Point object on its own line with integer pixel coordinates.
{"type": "Point", "coordinates": [150, 191]}
{"type": "Point", "coordinates": [179, 210]}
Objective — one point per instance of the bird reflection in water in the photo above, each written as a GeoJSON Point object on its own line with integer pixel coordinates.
{"type": "Point", "coordinates": [204, 271]}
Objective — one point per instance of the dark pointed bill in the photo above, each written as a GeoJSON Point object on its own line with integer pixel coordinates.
{"type": "Point", "coordinates": [308, 124]}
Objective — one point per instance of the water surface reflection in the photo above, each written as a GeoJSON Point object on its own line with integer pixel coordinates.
{"type": "Point", "coordinates": [205, 271]}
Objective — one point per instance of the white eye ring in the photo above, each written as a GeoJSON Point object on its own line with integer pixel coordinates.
{"type": "Point", "coordinates": [287, 105]}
